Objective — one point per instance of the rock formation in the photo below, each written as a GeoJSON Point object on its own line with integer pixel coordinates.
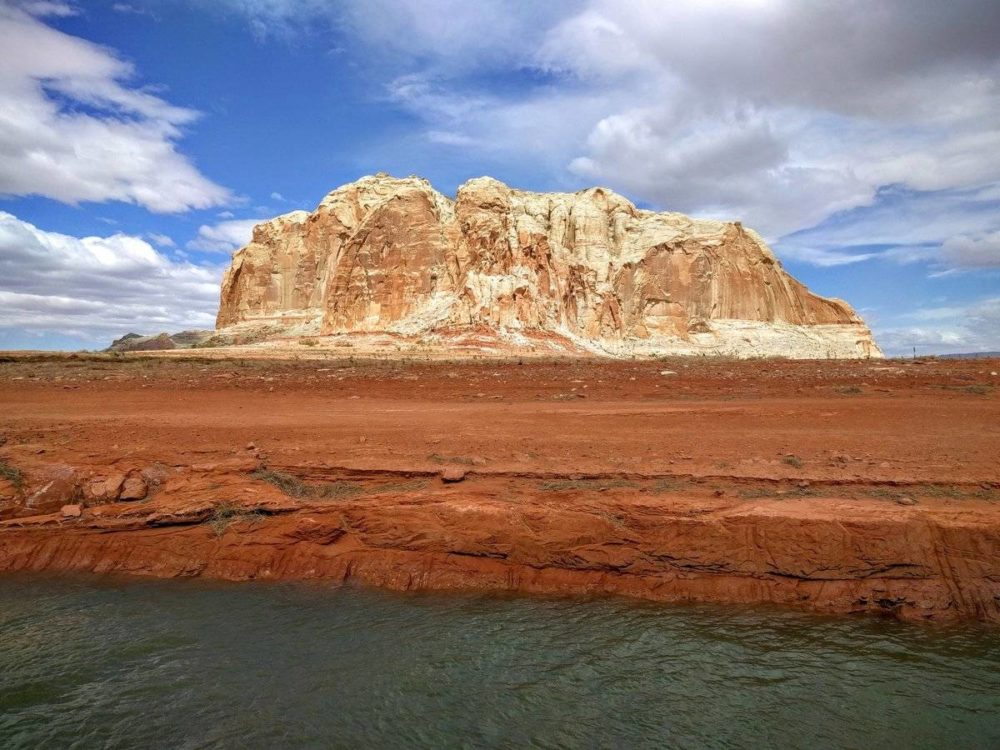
{"type": "Point", "coordinates": [393, 255]}
{"type": "Point", "coordinates": [136, 342]}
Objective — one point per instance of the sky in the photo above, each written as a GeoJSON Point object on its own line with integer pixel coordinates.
{"type": "Point", "coordinates": [140, 141]}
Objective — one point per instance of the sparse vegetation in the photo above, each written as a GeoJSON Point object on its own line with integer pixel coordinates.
{"type": "Point", "coordinates": [287, 483]}
{"type": "Point", "coordinates": [665, 485]}
{"type": "Point", "coordinates": [976, 389]}
{"type": "Point", "coordinates": [793, 461]}
{"type": "Point", "coordinates": [11, 474]}
{"type": "Point", "coordinates": [557, 485]}
{"type": "Point", "coordinates": [849, 390]}
{"type": "Point", "coordinates": [754, 493]}
{"type": "Point", "coordinates": [338, 490]}
{"type": "Point", "coordinates": [227, 513]}
{"type": "Point", "coordinates": [309, 342]}
{"type": "Point", "coordinates": [979, 390]}
{"type": "Point", "coordinates": [439, 459]}
{"type": "Point", "coordinates": [950, 491]}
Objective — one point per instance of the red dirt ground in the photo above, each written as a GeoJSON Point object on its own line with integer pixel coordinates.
{"type": "Point", "coordinates": [839, 486]}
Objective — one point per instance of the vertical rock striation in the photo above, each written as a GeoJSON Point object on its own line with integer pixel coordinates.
{"type": "Point", "coordinates": [394, 255]}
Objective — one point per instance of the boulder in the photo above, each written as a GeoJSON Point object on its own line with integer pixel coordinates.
{"type": "Point", "coordinates": [52, 487]}
{"type": "Point", "coordinates": [104, 489]}
{"type": "Point", "coordinates": [453, 474]}
{"type": "Point", "coordinates": [134, 487]}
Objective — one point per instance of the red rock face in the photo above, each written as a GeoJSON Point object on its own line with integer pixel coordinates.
{"type": "Point", "coordinates": [393, 255]}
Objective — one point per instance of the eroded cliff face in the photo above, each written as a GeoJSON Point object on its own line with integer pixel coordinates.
{"type": "Point", "coordinates": [394, 255]}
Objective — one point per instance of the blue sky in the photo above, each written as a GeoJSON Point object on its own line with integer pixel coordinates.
{"type": "Point", "coordinates": [140, 140]}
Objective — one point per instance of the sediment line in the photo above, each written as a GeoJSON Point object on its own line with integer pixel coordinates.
{"type": "Point", "coordinates": [929, 563]}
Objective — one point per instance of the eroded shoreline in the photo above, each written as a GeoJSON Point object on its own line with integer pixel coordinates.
{"type": "Point", "coordinates": [841, 488]}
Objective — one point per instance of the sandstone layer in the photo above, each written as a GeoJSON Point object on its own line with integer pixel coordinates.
{"type": "Point", "coordinates": [850, 488]}
{"type": "Point", "coordinates": [394, 255]}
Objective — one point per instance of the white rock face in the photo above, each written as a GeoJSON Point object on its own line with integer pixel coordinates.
{"type": "Point", "coordinates": [394, 255]}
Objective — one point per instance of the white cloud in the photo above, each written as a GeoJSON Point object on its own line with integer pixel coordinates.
{"type": "Point", "coordinates": [97, 288]}
{"type": "Point", "coordinates": [276, 196]}
{"type": "Point", "coordinates": [778, 112]}
{"type": "Point", "coordinates": [48, 8]}
{"type": "Point", "coordinates": [161, 240]}
{"type": "Point", "coordinates": [975, 251]}
{"type": "Point", "coordinates": [74, 128]}
{"type": "Point", "coordinates": [224, 236]}
{"type": "Point", "coordinates": [942, 228]}
{"type": "Point", "coordinates": [947, 330]}
{"type": "Point", "coordinates": [129, 8]}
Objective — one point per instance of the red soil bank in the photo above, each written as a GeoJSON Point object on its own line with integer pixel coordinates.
{"type": "Point", "coordinates": [841, 487]}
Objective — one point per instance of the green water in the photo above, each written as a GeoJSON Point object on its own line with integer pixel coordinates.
{"type": "Point", "coordinates": [185, 664]}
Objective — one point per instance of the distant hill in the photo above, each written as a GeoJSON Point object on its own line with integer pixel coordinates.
{"type": "Point", "coordinates": [136, 342]}
{"type": "Point", "coordinates": [970, 355]}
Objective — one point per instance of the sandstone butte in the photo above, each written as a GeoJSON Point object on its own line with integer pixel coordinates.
{"type": "Point", "coordinates": [580, 273]}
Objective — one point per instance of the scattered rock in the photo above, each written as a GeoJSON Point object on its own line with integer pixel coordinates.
{"type": "Point", "coordinates": [155, 475]}
{"type": "Point", "coordinates": [71, 511]}
{"type": "Point", "coordinates": [56, 487]}
{"type": "Point", "coordinates": [905, 501]}
{"type": "Point", "coordinates": [668, 372]}
{"type": "Point", "coordinates": [251, 446]}
{"type": "Point", "coordinates": [134, 488]}
{"type": "Point", "coordinates": [453, 474]}
{"type": "Point", "coordinates": [104, 489]}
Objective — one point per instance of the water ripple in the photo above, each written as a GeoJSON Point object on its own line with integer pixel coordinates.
{"type": "Point", "coordinates": [102, 662]}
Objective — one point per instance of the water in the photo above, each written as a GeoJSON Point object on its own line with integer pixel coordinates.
{"type": "Point", "coordinates": [91, 662]}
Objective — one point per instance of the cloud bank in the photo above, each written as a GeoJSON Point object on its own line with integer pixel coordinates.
{"type": "Point", "coordinates": [98, 288]}
{"type": "Point", "coordinates": [778, 112]}
{"type": "Point", "coordinates": [74, 128]}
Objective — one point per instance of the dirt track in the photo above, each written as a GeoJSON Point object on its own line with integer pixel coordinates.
{"type": "Point", "coordinates": [841, 486]}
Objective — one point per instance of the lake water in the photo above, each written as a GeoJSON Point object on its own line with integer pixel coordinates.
{"type": "Point", "coordinates": [93, 662]}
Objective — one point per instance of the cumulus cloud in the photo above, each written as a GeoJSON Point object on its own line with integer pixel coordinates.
{"type": "Point", "coordinates": [781, 113]}
{"type": "Point", "coordinates": [784, 112]}
{"type": "Point", "coordinates": [224, 236]}
{"type": "Point", "coordinates": [97, 288]}
{"type": "Point", "coordinates": [75, 129]}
